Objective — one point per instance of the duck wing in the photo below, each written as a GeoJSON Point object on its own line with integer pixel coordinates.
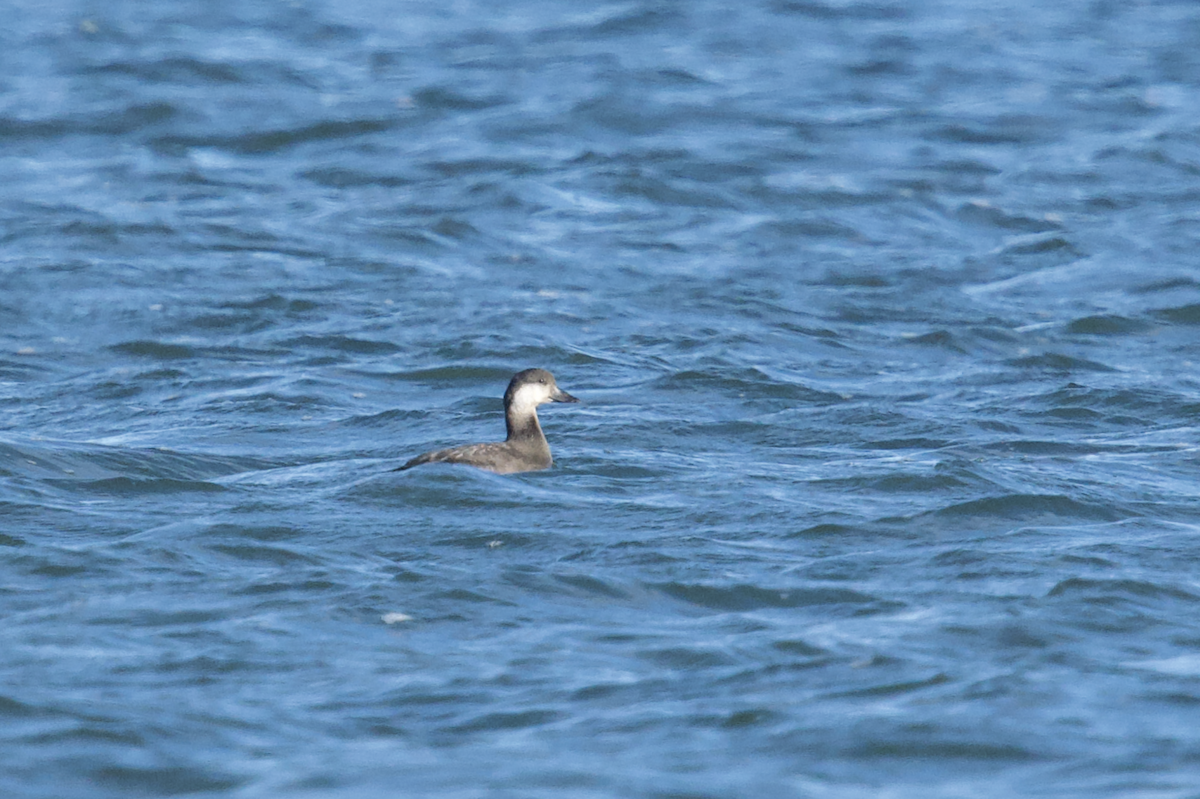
{"type": "Point", "coordinates": [494, 457]}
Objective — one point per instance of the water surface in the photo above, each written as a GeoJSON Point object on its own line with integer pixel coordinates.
{"type": "Point", "coordinates": [883, 316]}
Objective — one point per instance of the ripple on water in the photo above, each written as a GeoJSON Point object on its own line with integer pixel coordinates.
{"type": "Point", "coordinates": [1031, 508]}
{"type": "Point", "coordinates": [748, 597]}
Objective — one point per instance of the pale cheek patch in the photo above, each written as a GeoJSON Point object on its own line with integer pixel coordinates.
{"type": "Point", "coordinates": [530, 396]}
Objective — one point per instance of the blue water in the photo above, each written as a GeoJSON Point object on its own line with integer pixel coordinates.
{"type": "Point", "coordinates": [884, 318]}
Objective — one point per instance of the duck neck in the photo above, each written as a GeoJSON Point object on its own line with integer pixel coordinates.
{"type": "Point", "coordinates": [523, 425]}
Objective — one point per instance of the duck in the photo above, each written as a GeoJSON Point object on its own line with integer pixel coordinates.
{"type": "Point", "coordinates": [525, 449]}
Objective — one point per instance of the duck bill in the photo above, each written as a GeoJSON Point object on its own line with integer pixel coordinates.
{"type": "Point", "coordinates": [561, 396]}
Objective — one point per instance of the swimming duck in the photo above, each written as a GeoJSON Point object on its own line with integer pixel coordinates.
{"type": "Point", "coordinates": [525, 449]}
